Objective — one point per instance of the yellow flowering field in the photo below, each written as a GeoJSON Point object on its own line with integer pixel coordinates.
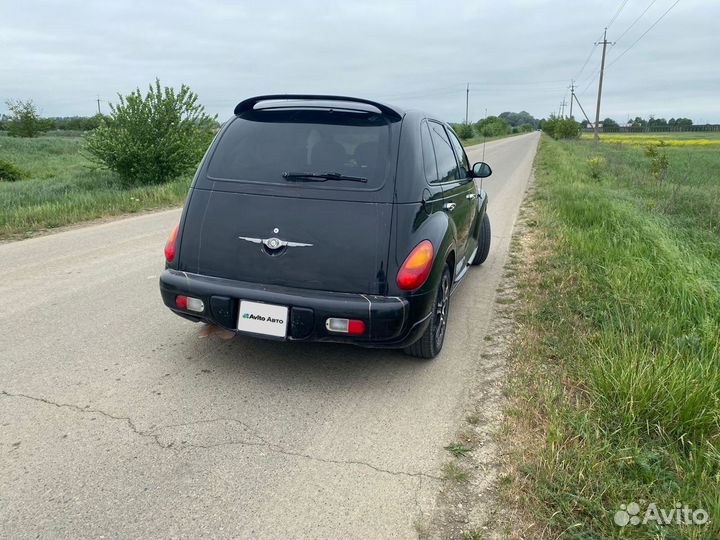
{"type": "Point", "coordinates": [668, 139]}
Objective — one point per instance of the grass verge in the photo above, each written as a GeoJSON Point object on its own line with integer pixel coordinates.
{"type": "Point", "coordinates": [616, 378]}
{"type": "Point", "coordinates": [63, 188]}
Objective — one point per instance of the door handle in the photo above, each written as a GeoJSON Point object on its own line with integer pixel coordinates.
{"type": "Point", "coordinates": [471, 196]}
{"type": "Point", "coordinates": [449, 206]}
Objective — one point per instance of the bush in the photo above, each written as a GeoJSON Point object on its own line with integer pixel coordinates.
{"type": "Point", "coordinates": [464, 131]}
{"type": "Point", "coordinates": [24, 120]}
{"type": "Point", "coordinates": [155, 138]}
{"type": "Point", "coordinates": [10, 172]}
{"type": "Point", "coordinates": [561, 128]}
{"type": "Point", "coordinates": [659, 163]}
{"type": "Point", "coordinates": [596, 166]}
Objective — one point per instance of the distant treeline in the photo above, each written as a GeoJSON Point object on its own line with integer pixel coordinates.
{"type": "Point", "coordinates": [496, 126]}
{"type": "Point", "coordinates": [61, 123]}
{"type": "Point", "coordinates": [651, 125]}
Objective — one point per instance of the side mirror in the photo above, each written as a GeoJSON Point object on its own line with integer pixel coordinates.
{"type": "Point", "coordinates": [481, 170]}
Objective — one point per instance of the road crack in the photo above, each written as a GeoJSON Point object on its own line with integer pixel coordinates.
{"type": "Point", "coordinates": [155, 437]}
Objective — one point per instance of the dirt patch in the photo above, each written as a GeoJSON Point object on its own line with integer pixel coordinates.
{"type": "Point", "coordinates": [469, 504]}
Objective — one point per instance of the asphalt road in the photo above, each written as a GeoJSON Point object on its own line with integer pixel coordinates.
{"type": "Point", "coordinates": [116, 420]}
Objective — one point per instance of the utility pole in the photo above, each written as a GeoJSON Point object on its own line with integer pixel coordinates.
{"type": "Point", "coordinates": [562, 108]}
{"type": "Point", "coordinates": [98, 103]}
{"type": "Point", "coordinates": [602, 72]}
{"type": "Point", "coordinates": [572, 95]}
{"type": "Point", "coordinates": [467, 102]}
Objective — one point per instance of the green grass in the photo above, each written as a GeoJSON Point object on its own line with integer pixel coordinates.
{"type": "Point", "coordinates": [63, 188]}
{"type": "Point", "coordinates": [454, 473]}
{"type": "Point", "coordinates": [457, 449]}
{"type": "Point", "coordinates": [618, 369]}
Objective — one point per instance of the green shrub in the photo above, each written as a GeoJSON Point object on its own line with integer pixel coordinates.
{"type": "Point", "coordinates": [596, 165]}
{"type": "Point", "coordinates": [464, 131]}
{"type": "Point", "coordinates": [561, 128]}
{"type": "Point", "coordinates": [10, 172]}
{"type": "Point", "coordinates": [155, 138]}
{"type": "Point", "coordinates": [659, 163]}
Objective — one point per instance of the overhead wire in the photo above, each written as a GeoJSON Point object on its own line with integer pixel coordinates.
{"type": "Point", "coordinates": [617, 13]}
{"type": "Point", "coordinates": [653, 25]}
{"type": "Point", "coordinates": [635, 21]}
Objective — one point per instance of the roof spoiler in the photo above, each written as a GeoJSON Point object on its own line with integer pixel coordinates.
{"type": "Point", "coordinates": [249, 104]}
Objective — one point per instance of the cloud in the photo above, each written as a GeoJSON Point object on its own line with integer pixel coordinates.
{"type": "Point", "coordinates": [517, 54]}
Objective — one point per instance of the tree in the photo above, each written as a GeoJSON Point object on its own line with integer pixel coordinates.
{"type": "Point", "coordinates": [155, 138]}
{"type": "Point", "coordinates": [682, 123]}
{"type": "Point", "coordinates": [518, 119]}
{"type": "Point", "coordinates": [657, 122]}
{"type": "Point", "coordinates": [24, 119]}
{"type": "Point", "coordinates": [492, 126]}
{"type": "Point", "coordinates": [609, 123]}
{"type": "Point", "coordinates": [77, 123]}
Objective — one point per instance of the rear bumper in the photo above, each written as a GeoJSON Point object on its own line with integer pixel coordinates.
{"type": "Point", "coordinates": [391, 321]}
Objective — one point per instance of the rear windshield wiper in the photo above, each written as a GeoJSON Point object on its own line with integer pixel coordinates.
{"type": "Point", "coordinates": [320, 177]}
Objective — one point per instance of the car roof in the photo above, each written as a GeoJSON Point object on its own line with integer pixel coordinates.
{"type": "Point", "coordinates": [317, 101]}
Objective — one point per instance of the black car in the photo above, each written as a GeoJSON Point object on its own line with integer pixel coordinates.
{"type": "Point", "coordinates": [329, 218]}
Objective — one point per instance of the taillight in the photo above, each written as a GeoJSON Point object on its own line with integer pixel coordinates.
{"type": "Point", "coordinates": [346, 326]}
{"type": "Point", "coordinates": [416, 268]}
{"type": "Point", "coordinates": [170, 245]}
{"type": "Point", "coordinates": [189, 303]}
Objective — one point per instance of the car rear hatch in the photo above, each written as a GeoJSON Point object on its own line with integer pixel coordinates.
{"type": "Point", "coordinates": [254, 216]}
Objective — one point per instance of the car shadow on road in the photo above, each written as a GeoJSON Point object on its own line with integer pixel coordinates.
{"type": "Point", "coordinates": [293, 363]}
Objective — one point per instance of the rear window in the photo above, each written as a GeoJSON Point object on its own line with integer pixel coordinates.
{"type": "Point", "coordinates": [261, 145]}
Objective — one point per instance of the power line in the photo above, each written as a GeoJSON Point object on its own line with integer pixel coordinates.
{"type": "Point", "coordinates": [592, 50]}
{"type": "Point", "coordinates": [653, 25]}
{"type": "Point", "coordinates": [585, 63]}
{"type": "Point", "coordinates": [590, 82]}
{"type": "Point", "coordinates": [479, 87]}
{"type": "Point", "coordinates": [622, 5]}
{"type": "Point", "coordinates": [636, 20]}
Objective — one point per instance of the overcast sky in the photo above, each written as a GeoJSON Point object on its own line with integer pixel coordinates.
{"type": "Point", "coordinates": [516, 54]}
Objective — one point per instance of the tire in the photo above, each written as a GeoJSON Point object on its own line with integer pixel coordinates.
{"type": "Point", "coordinates": [483, 242]}
{"type": "Point", "coordinates": [431, 342]}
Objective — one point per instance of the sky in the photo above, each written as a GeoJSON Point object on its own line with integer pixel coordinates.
{"type": "Point", "coordinates": [516, 54]}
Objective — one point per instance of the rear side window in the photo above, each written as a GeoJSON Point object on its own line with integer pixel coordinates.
{"type": "Point", "coordinates": [431, 173]}
{"type": "Point", "coordinates": [444, 155]}
{"type": "Point", "coordinates": [261, 145]}
{"type": "Point", "coordinates": [462, 159]}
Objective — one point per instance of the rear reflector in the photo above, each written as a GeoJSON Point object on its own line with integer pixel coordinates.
{"type": "Point", "coordinates": [189, 303]}
{"type": "Point", "coordinates": [345, 326]}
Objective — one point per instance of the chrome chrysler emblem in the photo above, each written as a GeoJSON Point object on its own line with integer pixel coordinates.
{"type": "Point", "coordinates": [273, 243]}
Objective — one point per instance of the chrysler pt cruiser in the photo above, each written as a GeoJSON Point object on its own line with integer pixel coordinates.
{"type": "Point", "coordinates": [329, 218]}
